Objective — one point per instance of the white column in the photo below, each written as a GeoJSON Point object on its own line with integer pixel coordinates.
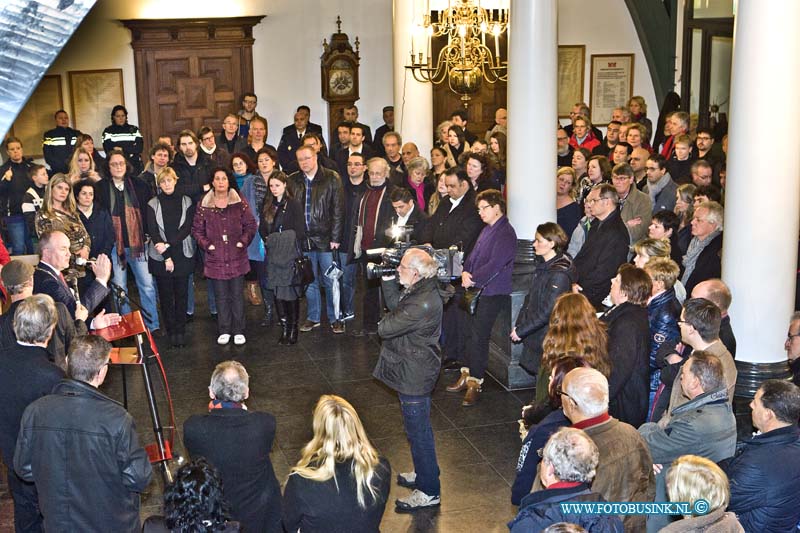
{"type": "Point", "coordinates": [532, 114]}
{"type": "Point", "coordinates": [762, 199]}
{"type": "Point", "coordinates": [413, 101]}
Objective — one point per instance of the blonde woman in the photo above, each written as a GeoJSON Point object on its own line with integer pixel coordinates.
{"type": "Point", "coordinates": [81, 166]}
{"type": "Point", "coordinates": [340, 479]}
{"type": "Point", "coordinates": [568, 211]}
{"type": "Point", "coordinates": [59, 212]}
{"type": "Point", "coordinates": [704, 485]}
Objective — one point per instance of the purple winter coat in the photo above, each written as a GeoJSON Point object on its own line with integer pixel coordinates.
{"type": "Point", "coordinates": [224, 228]}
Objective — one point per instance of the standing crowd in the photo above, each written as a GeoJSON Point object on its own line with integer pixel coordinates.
{"type": "Point", "coordinates": [625, 327]}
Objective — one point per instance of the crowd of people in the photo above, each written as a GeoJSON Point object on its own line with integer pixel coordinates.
{"type": "Point", "coordinates": [625, 327]}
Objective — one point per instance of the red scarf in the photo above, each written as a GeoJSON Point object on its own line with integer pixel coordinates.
{"type": "Point", "coordinates": [589, 422]}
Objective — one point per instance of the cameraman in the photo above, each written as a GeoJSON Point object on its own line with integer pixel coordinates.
{"type": "Point", "coordinates": [409, 363]}
{"type": "Point", "coordinates": [455, 222]}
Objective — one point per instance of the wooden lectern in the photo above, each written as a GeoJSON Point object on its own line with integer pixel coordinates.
{"type": "Point", "coordinates": [132, 326]}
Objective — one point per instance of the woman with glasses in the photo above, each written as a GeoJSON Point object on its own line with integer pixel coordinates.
{"type": "Point", "coordinates": [488, 267]}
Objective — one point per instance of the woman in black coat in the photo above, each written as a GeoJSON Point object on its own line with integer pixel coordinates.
{"type": "Point", "coordinates": [629, 345]}
{"type": "Point", "coordinates": [98, 225]}
{"type": "Point", "coordinates": [282, 228]}
{"type": "Point", "coordinates": [172, 251]}
{"type": "Point", "coordinates": [553, 276]}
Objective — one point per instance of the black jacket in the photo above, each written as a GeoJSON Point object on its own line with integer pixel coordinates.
{"type": "Point", "coordinates": [343, 154]}
{"type": "Point", "coordinates": [708, 265]}
{"type": "Point", "coordinates": [765, 480]}
{"type": "Point", "coordinates": [100, 229]}
{"type": "Point", "coordinates": [192, 178]}
{"type": "Point", "coordinates": [81, 449]}
{"type": "Point", "coordinates": [143, 194]}
{"type": "Point", "coordinates": [57, 146]}
{"type": "Point", "coordinates": [605, 249]}
{"type": "Point", "coordinates": [629, 351]}
{"type": "Point", "coordinates": [128, 138]}
{"type": "Point", "coordinates": [12, 192]}
{"type": "Point", "coordinates": [327, 207]}
{"type": "Point", "coordinates": [417, 219]}
{"type": "Point", "coordinates": [66, 330]}
{"type": "Point", "coordinates": [550, 280]}
{"type": "Point", "coordinates": [352, 195]}
{"type": "Point", "coordinates": [460, 227]}
{"type": "Point", "coordinates": [26, 374]}
{"type": "Point", "coordinates": [290, 141]}
{"type": "Point", "coordinates": [171, 210]}
{"type": "Point", "coordinates": [237, 442]}
{"type": "Point", "coordinates": [331, 506]}
{"type": "Point", "coordinates": [383, 217]}
{"type": "Point", "coordinates": [377, 142]}
{"type": "Point", "coordinates": [410, 356]}
{"type": "Point", "coordinates": [541, 509]}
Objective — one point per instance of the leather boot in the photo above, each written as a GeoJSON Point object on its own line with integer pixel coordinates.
{"type": "Point", "coordinates": [461, 384]}
{"type": "Point", "coordinates": [281, 310]}
{"type": "Point", "coordinates": [473, 391]}
{"type": "Point", "coordinates": [293, 318]}
{"type": "Point", "coordinates": [267, 321]}
{"type": "Point", "coordinates": [253, 293]}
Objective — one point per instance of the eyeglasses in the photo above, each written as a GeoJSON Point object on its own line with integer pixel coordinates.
{"type": "Point", "coordinates": [704, 138]}
{"type": "Point", "coordinates": [355, 164]}
{"type": "Point", "coordinates": [482, 207]}
{"type": "Point", "coordinates": [562, 138]}
{"type": "Point", "coordinates": [117, 164]}
{"type": "Point", "coordinates": [789, 336]}
{"type": "Point", "coordinates": [562, 393]}
{"type": "Point", "coordinates": [208, 138]}
{"type": "Point", "coordinates": [592, 201]}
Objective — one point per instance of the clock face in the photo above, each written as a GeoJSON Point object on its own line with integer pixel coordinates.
{"type": "Point", "coordinates": [341, 82]}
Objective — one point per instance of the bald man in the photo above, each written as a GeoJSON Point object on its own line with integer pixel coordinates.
{"type": "Point", "coordinates": [638, 162]}
{"type": "Point", "coordinates": [715, 291]}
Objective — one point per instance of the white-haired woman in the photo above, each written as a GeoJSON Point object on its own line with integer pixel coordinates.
{"type": "Point", "coordinates": [340, 483]}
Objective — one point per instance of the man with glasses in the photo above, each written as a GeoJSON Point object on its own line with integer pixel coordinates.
{"type": "Point", "coordinates": [625, 467]}
{"type": "Point", "coordinates": [702, 173]}
{"type": "Point", "coordinates": [82, 451]}
{"type": "Point", "coordinates": [606, 247]}
{"type": "Point", "coordinates": [247, 113]}
{"type": "Point", "coordinates": [706, 149]}
{"type": "Point", "coordinates": [354, 185]}
{"type": "Point", "coordinates": [659, 184]}
{"type": "Point", "coordinates": [792, 346]}
{"type": "Point", "coordinates": [703, 256]}
{"type": "Point", "coordinates": [208, 145]}
{"type": "Point", "coordinates": [563, 149]}
{"type": "Point", "coordinates": [229, 138]}
{"type": "Point", "coordinates": [635, 206]}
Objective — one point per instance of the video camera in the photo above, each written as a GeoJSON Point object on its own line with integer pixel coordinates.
{"type": "Point", "coordinates": [450, 260]}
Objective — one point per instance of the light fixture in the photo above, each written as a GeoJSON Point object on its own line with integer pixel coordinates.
{"type": "Point", "coordinates": [466, 60]}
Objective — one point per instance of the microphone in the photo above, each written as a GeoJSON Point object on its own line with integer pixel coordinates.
{"type": "Point", "coordinates": [74, 287]}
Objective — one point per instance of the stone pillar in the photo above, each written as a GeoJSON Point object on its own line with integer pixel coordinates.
{"type": "Point", "coordinates": [532, 114]}
{"type": "Point", "coordinates": [413, 101]}
{"type": "Point", "coordinates": [531, 182]}
{"type": "Point", "coordinates": [762, 198]}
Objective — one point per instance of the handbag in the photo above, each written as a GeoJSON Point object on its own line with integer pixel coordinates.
{"type": "Point", "coordinates": [472, 295]}
{"type": "Point", "coordinates": [303, 270]}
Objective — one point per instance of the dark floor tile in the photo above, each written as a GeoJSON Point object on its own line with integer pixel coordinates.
{"type": "Point", "coordinates": [480, 519]}
{"type": "Point", "coordinates": [293, 431]}
{"type": "Point", "coordinates": [453, 451]}
{"type": "Point", "coordinates": [348, 367]}
{"type": "Point", "coordinates": [476, 486]}
{"type": "Point", "coordinates": [264, 379]}
{"type": "Point", "coordinates": [491, 408]}
{"type": "Point", "coordinates": [496, 443]}
{"type": "Point", "coordinates": [295, 401]}
{"type": "Point", "coordinates": [366, 393]}
{"type": "Point", "coordinates": [385, 421]}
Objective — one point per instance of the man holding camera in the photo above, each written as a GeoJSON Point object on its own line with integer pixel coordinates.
{"type": "Point", "coordinates": [409, 363]}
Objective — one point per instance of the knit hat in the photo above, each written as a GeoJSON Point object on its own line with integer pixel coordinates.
{"type": "Point", "coordinates": [16, 273]}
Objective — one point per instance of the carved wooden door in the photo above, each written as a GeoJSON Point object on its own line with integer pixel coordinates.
{"type": "Point", "coordinates": [190, 72]}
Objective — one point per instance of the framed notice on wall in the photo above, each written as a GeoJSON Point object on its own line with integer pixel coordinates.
{"type": "Point", "coordinates": [93, 93]}
{"type": "Point", "coordinates": [38, 115]}
{"type": "Point", "coordinates": [570, 77]}
{"type": "Point", "coordinates": [611, 85]}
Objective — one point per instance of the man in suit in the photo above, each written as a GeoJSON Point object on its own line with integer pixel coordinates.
{"type": "Point", "coordinates": [237, 441]}
{"type": "Point", "coordinates": [388, 125]}
{"type": "Point", "coordinates": [455, 222]}
{"type": "Point", "coordinates": [356, 145]}
{"type": "Point", "coordinates": [54, 257]}
{"type": "Point", "coordinates": [351, 115]}
{"type": "Point", "coordinates": [292, 136]}
{"type": "Point", "coordinates": [406, 212]}
{"type": "Point", "coordinates": [636, 209]}
{"type": "Point", "coordinates": [26, 374]}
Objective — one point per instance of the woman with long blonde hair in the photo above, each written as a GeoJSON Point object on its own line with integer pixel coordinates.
{"type": "Point", "coordinates": [574, 327]}
{"type": "Point", "coordinates": [82, 166]}
{"type": "Point", "coordinates": [59, 212]}
{"type": "Point", "coordinates": [340, 478]}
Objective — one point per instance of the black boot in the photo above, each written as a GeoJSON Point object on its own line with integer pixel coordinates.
{"type": "Point", "coordinates": [293, 317]}
{"type": "Point", "coordinates": [267, 321]}
{"type": "Point", "coordinates": [282, 310]}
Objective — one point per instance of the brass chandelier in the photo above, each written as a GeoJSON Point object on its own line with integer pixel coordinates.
{"type": "Point", "coordinates": [471, 27]}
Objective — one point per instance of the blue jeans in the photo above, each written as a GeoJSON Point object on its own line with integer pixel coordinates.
{"type": "Point", "coordinates": [320, 261]}
{"type": "Point", "coordinates": [349, 287]}
{"type": "Point", "coordinates": [417, 423]}
{"type": "Point", "coordinates": [212, 302]}
{"type": "Point", "coordinates": [19, 240]}
{"type": "Point", "coordinates": [144, 282]}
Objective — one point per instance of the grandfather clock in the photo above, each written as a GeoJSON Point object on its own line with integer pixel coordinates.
{"type": "Point", "coordinates": [339, 66]}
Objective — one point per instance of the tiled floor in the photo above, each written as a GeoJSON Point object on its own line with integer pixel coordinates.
{"type": "Point", "coordinates": [477, 447]}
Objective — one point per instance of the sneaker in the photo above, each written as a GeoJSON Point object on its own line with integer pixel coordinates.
{"type": "Point", "coordinates": [308, 325]}
{"type": "Point", "coordinates": [415, 501]}
{"type": "Point", "coordinates": [223, 339]}
{"type": "Point", "coordinates": [407, 480]}
{"type": "Point", "coordinates": [348, 316]}
{"type": "Point", "coordinates": [338, 327]}
{"type": "Point", "coordinates": [238, 340]}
